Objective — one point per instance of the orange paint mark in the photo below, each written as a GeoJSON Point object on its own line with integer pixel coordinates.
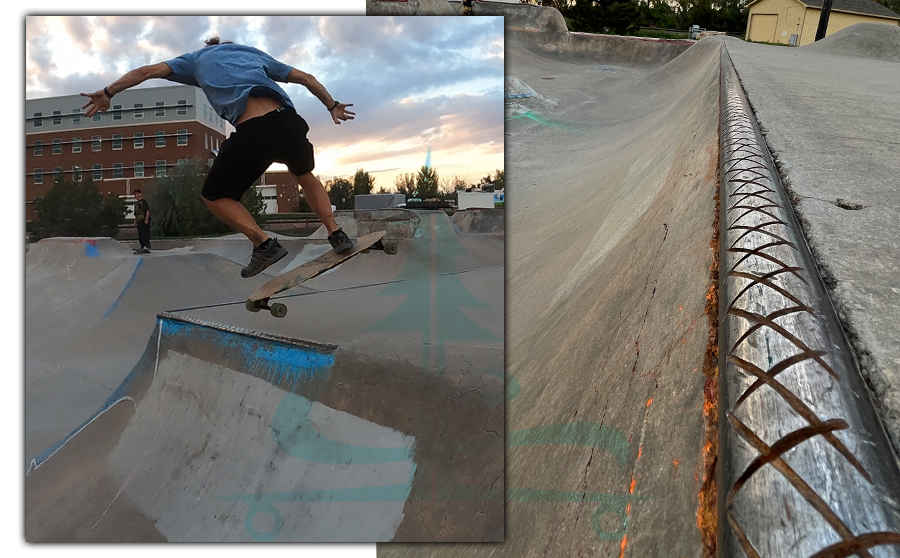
{"type": "Point", "coordinates": [624, 542]}
{"type": "Point", "coordinates": [680, 307]}
{"type": "Point", "coordinates": [640, 450]}
{"type": "Point", "coordinates": [675, 462]}
{"type": "Point", "coordinates": [649, 401]}
{"type": "Point", "coordinates": [631, 490]}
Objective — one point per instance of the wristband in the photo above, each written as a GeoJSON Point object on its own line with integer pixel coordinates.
{"type": "Point", "coordinates": [336, 103]}
{"type": "Point", "coordinates": [108, 94]}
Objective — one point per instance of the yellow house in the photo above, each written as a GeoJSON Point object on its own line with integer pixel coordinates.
{"type": "Point", "coordinates": [795, 21]}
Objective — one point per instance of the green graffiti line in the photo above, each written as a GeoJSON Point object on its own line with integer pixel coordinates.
{"type": "Point", "coordinates": [513, 387]}
{"type": "Point", "coordinates": [432, 302]}
{"type": "Point", "coordinates": [590, 434]}
{"type": "Point", "coordinates": [295, 435]}
{"type": "Point", "coordinates": [540, 120]}
{"type": "Point", "coordinates": [616, 504]}
{"type": "Point", "coordinates": [264, 503]}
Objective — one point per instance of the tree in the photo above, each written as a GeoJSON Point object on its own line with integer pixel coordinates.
{"type": "Point", "coordinates": [363, 183]}
{"type": "Point", "coordinates": [77, 209]}
{"type": "Point", "coordinates": [405, 184]}
{"type": "Point", "coordinates": [498, 180]}
{"type": "Point", "coordinates": [177, 209]}
{"type": "Point", "coordinates": [340, 192]}
{"type": "Point", "coordinates": [449, 186]}
{"type": "Point", "coordinates": [427, 183]}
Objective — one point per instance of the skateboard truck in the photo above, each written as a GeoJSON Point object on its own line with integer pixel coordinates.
{"type": "Point", "coordinates": [276, 308]}
{"type": "Point", "coordinates": [389, 248]}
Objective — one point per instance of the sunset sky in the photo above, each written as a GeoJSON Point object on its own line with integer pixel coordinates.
{"type": "Point", "coordinates": [415, 83]}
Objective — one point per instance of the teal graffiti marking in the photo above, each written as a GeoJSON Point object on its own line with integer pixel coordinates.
{"type": "Point", "coordinates": [609, 503]}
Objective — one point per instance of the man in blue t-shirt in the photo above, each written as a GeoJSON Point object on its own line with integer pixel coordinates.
{"type": "Point", "coordinates": [240, 83]}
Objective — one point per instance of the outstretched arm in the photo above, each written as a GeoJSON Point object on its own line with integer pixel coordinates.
{"type": "Point", "coordinates": [99, 100]}
{"type": "Point", "coordinates": [338, 110]}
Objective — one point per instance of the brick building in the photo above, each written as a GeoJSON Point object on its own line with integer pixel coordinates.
{"type": "Point", "coordinates": [146, 132]}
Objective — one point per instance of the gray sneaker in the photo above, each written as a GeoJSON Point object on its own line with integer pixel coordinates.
{"type": "Point", "coordinates": [261, 259]}
{"type": "Point", "coordinates": [340, 241]}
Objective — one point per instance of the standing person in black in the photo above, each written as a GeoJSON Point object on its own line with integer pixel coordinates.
{"type": "Point", "coordinates": [142, 220]}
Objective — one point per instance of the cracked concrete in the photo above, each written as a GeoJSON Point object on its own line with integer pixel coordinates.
{"type": "Point", "coordinates": [608, 264]}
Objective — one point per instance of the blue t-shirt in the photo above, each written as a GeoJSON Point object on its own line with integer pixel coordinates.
{"type": "Point", "coordinates": [228, 73]}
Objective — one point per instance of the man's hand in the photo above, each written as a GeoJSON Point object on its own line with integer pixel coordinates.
{"type": "Point", "coordinates": [340, 112]}
{"type": "Point", "coordinates": [99, 102]}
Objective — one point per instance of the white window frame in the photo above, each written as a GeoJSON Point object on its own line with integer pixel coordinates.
{"type": "Point", "coordinates": [139, 169]}
{"type": "Point", "coordinates": [117, 141]}
{"type": "Point", "coordinates": [182, 137]}
{"type": "Point", "coordinates": [39, 175]}
{"type": "Point", "coordinates": [160, 137]}
{"type": "Point", "coordinates": [96, 144]}
{"type": "Point", "coordinates": [138, 140]}
{"type": "Point", "coordinates": [76, 145]}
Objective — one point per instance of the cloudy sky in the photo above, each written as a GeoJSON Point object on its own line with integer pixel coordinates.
{"type": "Point", "coordinates": [415, 83]}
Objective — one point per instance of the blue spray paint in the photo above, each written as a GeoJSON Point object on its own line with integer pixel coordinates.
{"type": "Point", "coordinates": [112, 307]}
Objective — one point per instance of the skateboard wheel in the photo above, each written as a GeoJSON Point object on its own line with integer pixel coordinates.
{"type": "Point", "coordinates": [391, 248]}
{"type": "Point", "coordinates": [251, 306]}
{"type": "Point", "coordinates": [278, 310]}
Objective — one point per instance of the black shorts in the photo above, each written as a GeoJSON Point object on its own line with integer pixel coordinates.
{"type": "Point", "coordinates": [275, 137]}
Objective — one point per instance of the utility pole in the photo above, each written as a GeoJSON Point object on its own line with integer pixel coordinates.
{"type": "Point", "coordinates": [823, 20]}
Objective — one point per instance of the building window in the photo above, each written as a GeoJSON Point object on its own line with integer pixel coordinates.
{"type": "Point", "coordinates": [160, 139]}
{"type": "Point", "coordinates": [117, 112]}
{"type": "Point", "coordinates": [57, 146]}
{"type": "Point", "coordinates": [38, 147]}
{"type": "Point", "coordinates": [117, 171]}
{"type": "Point", "coordinates": [182, 162]}
{"type": "Point", "coordinates": [117, 142]}
{"type": "Point", "coordinates": [76, 145]}
{"type": "Point", "coordinates": [139, 169]}
{"type": "Point", "coordinates": [182, 137]}
{"type": "Point", "coordinates": [76, 116]}
{"type": "Point", "coordinates": [139, 140]}
{"type": "Point", "coordinates": [98, 172]}
{"type": "Point", "coordinates": [138, 110]}
{"type": "Point", "coordinates": [97, 117]}
{"type": "Point", "coordinates": [76, 173]}
{"type": "Point", "coordinates": [160, 111]}
{"type": "Point", "coordinates": [38, 121]}
{"type": "Point", "coordinates": [182, 107]}
{"type": "Point", "coordinates": [160, 168]}
{"type": "Point", "coordinates": [205, 140]}
{"type": "Point", "coordinates": [38, 176]}
{"type": "Point", "coordinates": [57, 117]}
{"type": "Point", "coordinates": [96, 144]}
{"type": "Point", "coordinates": [57, 175]}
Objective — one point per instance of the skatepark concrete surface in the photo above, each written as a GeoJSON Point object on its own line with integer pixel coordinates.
{"type": "Point", "coordinates": [159, 408]}
{"type": "Point", "coordinates": [612, 176]}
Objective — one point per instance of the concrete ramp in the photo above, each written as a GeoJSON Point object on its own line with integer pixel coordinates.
{"type": "Point", "coordinates": [206, 441]}
{"type": "Point", "coordinates": [218, 424]}
{"type": "Point", "coordinates": [865, 40]}
{"type": "Point", "coordinates": [609, 270]}
{"type": "Point", "coordinates": [480, 221]}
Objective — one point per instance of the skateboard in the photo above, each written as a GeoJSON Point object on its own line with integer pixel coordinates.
{"type": "Point", "coordinates": [260, 299]}
{"type": "Point", "coordinates": [140, 251]}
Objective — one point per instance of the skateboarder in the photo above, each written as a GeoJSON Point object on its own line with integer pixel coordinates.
{"type": "Point", "coordinates": [239, 82]}
{"type": "Point", "coordinates": [142, 220]}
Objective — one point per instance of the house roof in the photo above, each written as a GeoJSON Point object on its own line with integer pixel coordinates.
{"type": "Point", "coordinates": [867, 7]}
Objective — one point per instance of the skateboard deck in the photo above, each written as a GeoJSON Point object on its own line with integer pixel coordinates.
{"type": "Point", "coordinates": [316, 266]}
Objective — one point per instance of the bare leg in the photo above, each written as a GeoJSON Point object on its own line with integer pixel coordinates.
{"type": "Point", "coordinates": [236, 216]}
{"type": "Point", "coordinates": [317, 198]}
